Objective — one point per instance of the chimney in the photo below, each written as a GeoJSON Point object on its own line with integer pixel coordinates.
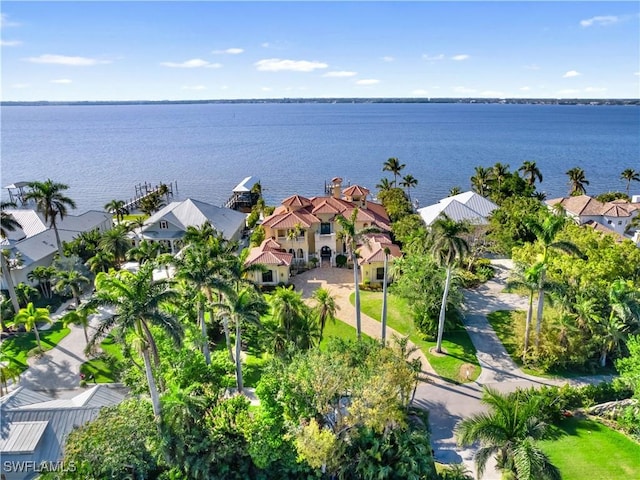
{"type": "Point", "coordinates": [336, 187]}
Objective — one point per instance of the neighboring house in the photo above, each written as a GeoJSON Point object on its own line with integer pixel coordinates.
{"type": "Point", "coordinates": [276, 262]}
{"type": "Point", "coordinates": [169, 224]}
{"type": "Point", "coordinates": [609, 217]}
{"type": "Point", "coordinates": [34, 244]}
{"type": "Point", "coordinates": [306, 228]}
{"type": "Point", "coordinates": [34, 427]}
{"type": "Point", "coordinates": [467, 206]}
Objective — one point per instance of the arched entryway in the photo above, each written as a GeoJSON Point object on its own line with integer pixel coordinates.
{"type": "Point", "coordinates": [325, 254]}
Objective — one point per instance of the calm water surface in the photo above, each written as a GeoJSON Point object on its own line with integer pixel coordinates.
{"type": "Point", "coordinates": [103, 151]}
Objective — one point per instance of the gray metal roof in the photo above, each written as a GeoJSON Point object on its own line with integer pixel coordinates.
{"type": "Point", "coordinates": [468, 206]}
{"type": "Point", "coordinates": [23, 437]}
{"type": "Point", "coordinates": [246, 185]}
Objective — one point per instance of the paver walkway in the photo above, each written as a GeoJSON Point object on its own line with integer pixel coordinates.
{"type": "Point", "coordinates": [339, 281]}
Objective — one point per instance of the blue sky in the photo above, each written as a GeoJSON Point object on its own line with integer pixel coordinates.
{"type": "Point", "coordinates": [67, 51]}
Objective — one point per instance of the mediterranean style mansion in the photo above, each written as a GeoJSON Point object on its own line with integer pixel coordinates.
{"type": "Point", "coordinates": [303, 230]}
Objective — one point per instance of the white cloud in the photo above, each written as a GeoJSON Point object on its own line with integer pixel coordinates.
{"type": "Point", "coordinates": [229, 51]}
{"type": "Point", "coordinates": [340, 74]}
{"type": "Point", "coordinates": [595, 89]}
{"type": "Point", "coordinates": [525, 89]}
{"type": "Point", "coordinates": [460, 57]}
{"type": "Point", "coordinates": [20, 85]}
{"type": "Point", "coordinates": [532, 66]}
{"type": "Point", "coordinates": [265, 89]}
{"type": "Point", "coordinates": [367, 81]}
{"type": "Point", "coordinates": [10, 43]}
{"type": "Point", "coordinates": [193, 63]}
{"type": "Point", "coordinates": [602, 21]}
{"type": "Point", "coordinates": [637, 74]}
{"type": "Point", "coordinates": [420, 91]}
{"type": "Point", "coordinates": [61, 81]}
{"type": "Point", "coordinates": [66, 60]}
{"type": "Point", "coordinates": [571, 73]}
{"type": "Point", "coordinates": [428, 57]}
{"type": "Point", "coordinates": [279, 65]}
{"type": "Point", "coordinates": [464, 90]}
{"type": "Point", "coordinates": [388, 59]}
{"type": "Point", "coordinates": [194, 87]}
{"type": "Point", "coordinates": [5, 22]}
{"type": "Point", "coordinates": [265, 45]}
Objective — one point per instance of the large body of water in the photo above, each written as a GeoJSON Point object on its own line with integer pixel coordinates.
{"type": "Point", "coordinates": [101, 152]}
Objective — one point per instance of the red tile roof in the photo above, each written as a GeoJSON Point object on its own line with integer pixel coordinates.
{"type": "Point", "coordinates": [355, 190]}
{"type": "Point", "coordinates": [269, 253]}
{"type": "Point", "coordinates": [373, 250]}
{"type": "Point", "coordinates": [296, 201]}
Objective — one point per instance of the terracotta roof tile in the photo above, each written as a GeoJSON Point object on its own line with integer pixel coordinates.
{"type": "Point", "coordinates": [373, 251]}
{"type": "Point", "coordinates": [614, 210]}
{"type": "Point", "coordinates": [296, 201]}
{"type": "Point", "coordinates": [355, 190]}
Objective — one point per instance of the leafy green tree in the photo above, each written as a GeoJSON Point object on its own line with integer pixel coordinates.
{"type": "Point", "coordinates": [101, 262]}
{"type": "Point", "coordinates": [448, 248]}
{"type": "Point", "coordinates": [629, 367]}
{"type": "Point", "coordinates": [577, 181]}
{"type": "Point", "coordinates": [30, 317]}
{"type": "Point", "coordinates": [394, 166]}
{"type": "Point", "coordinates": [396, 203]}
{"type": "Point", "coordinates": [508, 224]}
{"type": "Point", "coordinates": [85, 245]}
{"type": "Point", "coordinates": [138, 301]}
{"type": "Point", "coordinates": [508, 431]}
{"type": "Point", "coordinates": [26, 293]}
{"type": "Point", "coordinates": [531, 171]}
{"type": "Point", "coordinates": [117, 208]}
{"type": "Point", "coordinates": [294, 325]}
{"type": "Point", "coordinates": [51, 202]}
{"type": "Point", "coordinates": [325, 308]}
{"type": "Point", "coordinates": [8, 224]}
{"type": "Point", "coordinates": [630, 175]}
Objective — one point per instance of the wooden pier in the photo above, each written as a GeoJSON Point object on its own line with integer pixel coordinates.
{"type": "Point", "coordinates": [144, 190]}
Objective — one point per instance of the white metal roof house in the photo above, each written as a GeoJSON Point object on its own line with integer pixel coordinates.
{"type": "Point", "coordinates": [34, 244]}
{"type": "Point", "coordinates": [34, 427]}
{"type": "Point", "coordinates": [169, 224]}
{"type": "Point", "coordinates": [467, 206]}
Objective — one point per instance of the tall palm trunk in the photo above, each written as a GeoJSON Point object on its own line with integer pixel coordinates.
{"type": "Point", "coordinates": [540, 309]}
{"type": "Point", "coordinates": [238, 359]}
{"type": "Point", "coordinates": [357, 295]}
{"type": "Point", "coordinates": [527, 328]}
{"type": "Point", "coordinates": [35, 331]}
{"type": "Point", "coordinates": [443, 309]}
{"type": "Point", "coordinates": [205, 336]}
{"type": "Point", "coordinates": [603, 357]}
{"type": "Point", "coordinates": [227, 336]}
{"type": "Point", "coordinates": [76, 296]}
{"type": "Point", "coordinates": [58, 242]}
{"type": "Point", "coordinates": [384, 301]}
{"type": "Point", "coordinates": [6, 273]}
{"type": "Point", "coordinates": [153, 389]}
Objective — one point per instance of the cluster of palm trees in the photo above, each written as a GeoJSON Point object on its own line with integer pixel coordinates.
{"type": "Point", "coordinates": [394, 166]}
{"type": "Point", "coordinates": [489, 181]}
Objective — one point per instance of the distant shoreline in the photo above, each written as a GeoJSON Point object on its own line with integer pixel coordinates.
{"type": "Point", "coordinates": [500, 101]}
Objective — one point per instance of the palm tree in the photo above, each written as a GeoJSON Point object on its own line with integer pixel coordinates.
{"type": "Point", "coordinates": [630, 175]}
{"type": "Point", "coordinates": [384, 296]}
{"type": "Point", "coordinates": [351, 237]}
{"type": "Point", "coordinates": [30, 316]}
{"type": "Point", "coordinates": [8, 371]}
{"type": "Point", "coordinates": [151, 203]}
{"type": "Point", "coordinates": [245, 306]}
{"type": "Point", "coordinates": [8, 224]}
{"type": "Point", "coordinates": [530, 171]}
{"type": "Point", "coordinates": [448, 247]}
{"type": "Point", "coordinates": [384, 185]}
{"type": "Point", "coordinates": [199, 268]}
{"type": "Point", "coordinates": [293, 319]}
{"type": "Point", "coordinates": [408, 182]}
{"type": "Point", "coordinates": [51, 202]}
{"type": "Point", "coordinates": [546, 232]}
{"type": "Point", "coordinates": [508, 431]}
{"type": "Point", "coordinates": [577, 181]}
{"type": "Point", "coordinates": [454, 191]}
{"type": "Point", "coordinates": [117, 208]}
{"type": "Point", "coordinates": [325, 308]}
{"type": "Point", "coordinates": [70, 279]}
{"type": "Point", "coordinates": [144, 252]}
{"type": "Point", "coordinates": [101, 262]}
{"type": "Point", "coordinates": [528, 278]}
{"type": "Point", "coordinates": [480, 181]}
{"type": "Point", "coordinates": [116, 242]}
{"type": "Point", "coordinates": [138, 301]}
{"type": "Point", "coordinates": [79, 316]}
{"type": "Point", "coordinates": [43, 276]}
{"type": "Point", "coordinates": [26, 293]}
{"type": "Point", "coordinates": [394, 166]}
{"type": "Point", "coordinates": [499, 172]}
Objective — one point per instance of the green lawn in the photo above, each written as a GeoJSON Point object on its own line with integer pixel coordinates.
{"type": "Point", "coordinates": [104, 368]}
{"type": "Point", "coordinates": [460, 364]}
{"type": "Point", "coordinates": [18, 347]}
{"type": "Point", "coordinates": [589, 450]}
{"type": "Point", "coordinates": [338, 329]}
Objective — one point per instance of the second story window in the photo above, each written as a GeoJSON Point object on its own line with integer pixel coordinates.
{"type": "Point", "coordinates": [164, 224]}
{"type": "Point", "coordinates": [325, 228]}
